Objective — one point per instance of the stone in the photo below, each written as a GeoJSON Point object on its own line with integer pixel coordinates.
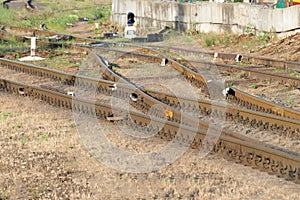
{"type": "Point", "coordinates": [157, 37]}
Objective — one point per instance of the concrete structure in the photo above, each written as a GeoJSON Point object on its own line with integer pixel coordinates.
{"type": "Point", "coordinates": [207, 16]}
{"type": "Point", "coordinates": [130, 32]}
{"type": "Point", "coordinates": [32, 56]}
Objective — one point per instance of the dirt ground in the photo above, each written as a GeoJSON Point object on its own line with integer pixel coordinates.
{"type": "Point", "coordinates": [42, 157]}
{"type": "Point", "coordinates": [285, 49]}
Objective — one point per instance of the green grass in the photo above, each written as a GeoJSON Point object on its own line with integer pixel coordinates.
{"type": "Point", "coordinates": [242, 64]}
{"type": "Point", "coordinates": [5, 115]}
{"type": "Point", "coordinates": [13, 46]}
{"type": "Point", "coordinates": [7, 15]}
{"type": "Point", "coordinates": [23, 141]}
{"type": "Point", "coordinates": [18, 126]}
{"type": "Point", "coordinates": [43, 137]}
{"type": "Point", "coordinates": [290, 101]}
{"type": "Point", "coordinates": [278, 70]}
{"type": "Point", "coordinates": [56, 14]}
{"type": "Point", "coordinates": [230, 84]}
{"type": "Point", "coordinates": [225, 40]}
{"type": "Point", "coordinates": [60, 23]}
{"type": "Point", "coordinates": [211, 38]}
{"type": "Point", "coordinates": [295, 74]}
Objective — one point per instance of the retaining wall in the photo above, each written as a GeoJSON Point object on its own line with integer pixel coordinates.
{"type": "Point", "coordinates": [207, 16]}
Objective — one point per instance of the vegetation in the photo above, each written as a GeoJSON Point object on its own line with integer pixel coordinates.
{"type": "Point", "coordinates": [7, 16]}
{"type": "Point", "coordinates": [296, 74]}
{"type": "Point", "coordinates": [250, 40]}
{"type": "Point", "coordinates": [5, 115]}
{"type": "Point", "coordinates": [57, 14]}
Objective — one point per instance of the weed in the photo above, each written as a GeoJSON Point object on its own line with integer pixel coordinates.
{"type": "Point", "coordinates": [5, 115]}
{"type": "Point", "coordinates": [72, 125]}
{"type": "Point", "coordinates": [290, 102]}
{"type": "Point", "coordinates": [249, 43]}
{"type": "Point", "coordinates": [264, 37]}
{"type": "Point", "coordinates": [230, 84]}
{"type": "Point", "coordinates": [43, 137]}
{"type": "Point", "coordinates": [97, 31]}
{"type": "Point", "coordinates": [92, 155]}
{"type": "Point", "coordinates": [278, 70]}
{"type": "Point", "coordinates": [17, 126]}
{"type": "Point", "coordinates": [192, 29]}
{"type": "Point", "coordinates": [243, 64]}
{"type": "Point", "coordinates": [209, 42]}
{"type": "Point", "coordinates": [226, 39]}
{"type": "Point", "coordinates": [253, 87]}
{"type": "Point", "coordinates": [5, 195]}
{"type": "Point", "coordinates": [295, 74]}
{"type": "Point", "coordinates": [23, 141]}
{"type": "Point", "coordinates": [250, 29]}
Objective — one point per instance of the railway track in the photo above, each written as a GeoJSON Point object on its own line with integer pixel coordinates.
{"type": "Point", "coordinates": [177, 102]}
{"type": "Point", "coordinates": [250, 59]}
{"type": "Point", "coordinates": [256, 72]}
{"type": "Point", "coordinates": [268, 158]}
{"type": "Point", "coordinates": [233, 146]}
{"type": "Point", "coordinates": [285, 126]}
{"type": "Point", "coordinates": [240, 98]}
{"type": "Point", "coordinates": [292, 81]}
{"type": "Point", "coordinates": [255, 60]}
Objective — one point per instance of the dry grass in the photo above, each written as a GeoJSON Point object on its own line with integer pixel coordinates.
{"type": "Point", "coordinates": [42, 158]}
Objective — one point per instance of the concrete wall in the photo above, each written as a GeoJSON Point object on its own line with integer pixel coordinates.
{"type": "Point", "coordinates": [207, 16]}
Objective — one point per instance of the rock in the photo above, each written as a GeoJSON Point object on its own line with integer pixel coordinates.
{"type": "Point", "coordinates": [157, 37]}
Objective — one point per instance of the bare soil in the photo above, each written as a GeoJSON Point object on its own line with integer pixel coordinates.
{"type": "Point", "coordinates": [285, 49]}
{"type": "Point", "coordinates": [85, 29]}
{"type": "Point", "coordinates": [66, 60]}
{"type": "Point", "coordinates": [42, 157]}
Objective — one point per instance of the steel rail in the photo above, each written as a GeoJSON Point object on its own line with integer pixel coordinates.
{"type": "Point", "coordinates": [259, 155]}
{"type": "Point", "coordinates": [258, 60]}
{"type": "Point", "coordinates": [251, 59]}
{"type": "Point", "coordinates": [241, 98]}
{"type": "Point", "coordinates": [256, 119]}
{"type": "Point", "coordinates": [244, 99]}
{"type": "Point", "coordinates": [253, 73]}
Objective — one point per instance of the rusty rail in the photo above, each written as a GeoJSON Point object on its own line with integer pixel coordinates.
{"type": "Point", "coordinates": [265, 157]}
{"type": "Point", "coordinates": [257, 60]}
{"type": "Point", "coordinates": [289, 127]}
{"type": "Point", "coordinates": [240, 98]}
